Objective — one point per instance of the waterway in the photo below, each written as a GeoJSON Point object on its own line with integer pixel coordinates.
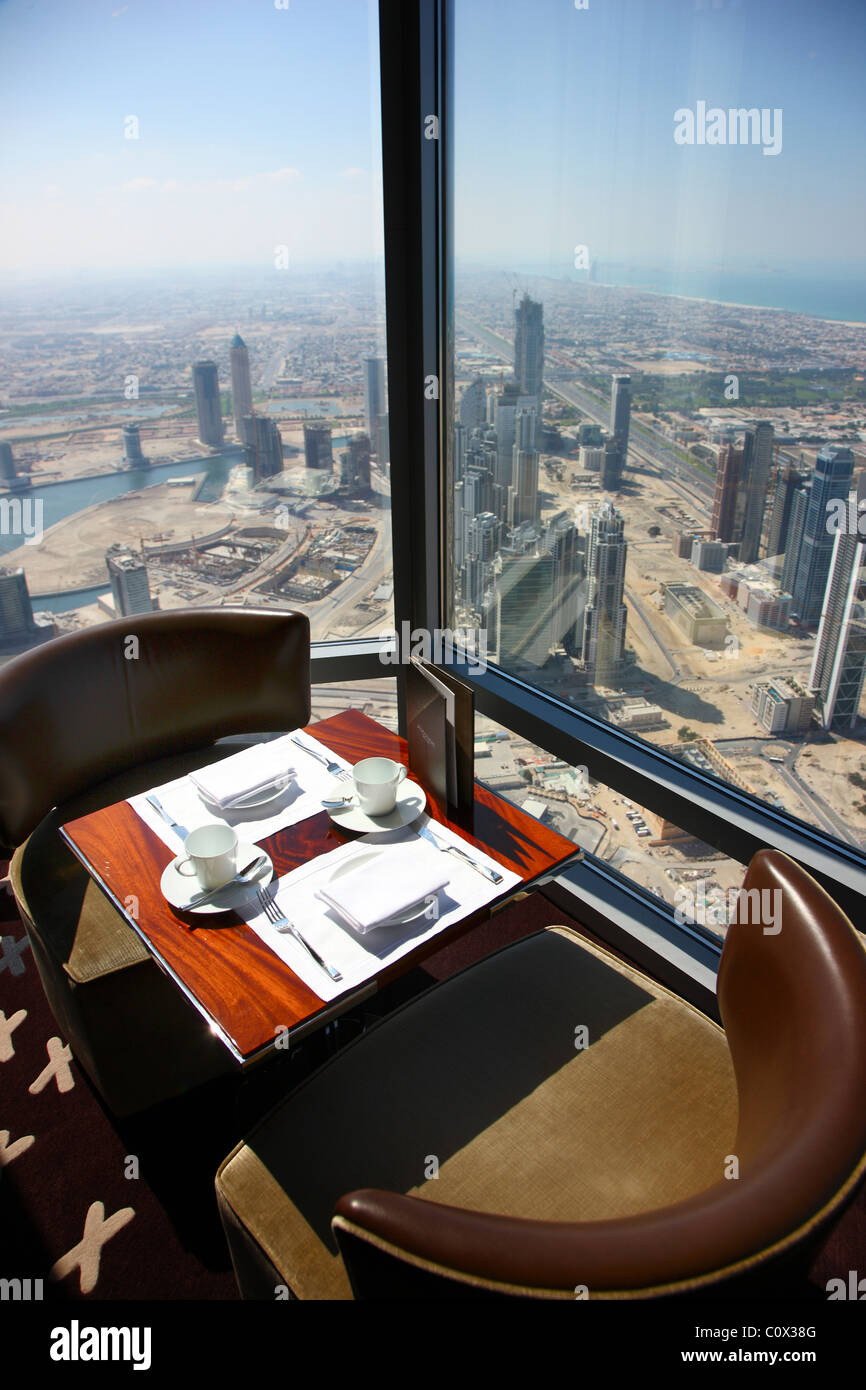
{"type": "Point", "coordinates": [61, 500]}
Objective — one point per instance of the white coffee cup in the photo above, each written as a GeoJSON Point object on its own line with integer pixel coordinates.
{"type": "Point", "coordinates": [376, 782]}
{"type": "Point", "coordinates": [211, 855]}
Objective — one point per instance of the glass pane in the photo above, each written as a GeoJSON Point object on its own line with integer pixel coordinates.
{"type": "Point", "coordinates": [375, 698]}
{"type": "Point", "coordinates": [697, 881]}
{"type": "Point", "coordinates": [657, 463]}
{"type": "Point", "coordinates": [192, 316]}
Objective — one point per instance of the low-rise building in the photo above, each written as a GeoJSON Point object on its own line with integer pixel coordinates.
{"type": "Point", "coordinates": [782, 705]}
{"type": "Point", "coordinates": [696, 615]}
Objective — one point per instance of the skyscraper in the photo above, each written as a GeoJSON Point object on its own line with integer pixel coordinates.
{"type": "Point", "coordinates": [620, 414]}
{"type": "Point", "coordinates": [569, 589]}
{"type": "Point", "coordinates": [839, 662]}
{"type": "Point", "coordinates": [728, 471]}
{"type": "Point", "coordinates": [242, 386]}
{"type": "Point", "coordinates": [523, 493]}
{"type": "Point", "coordinates": [374, 399]}
{"type": "Point", "coordinates": [788, 481]}
{"type": "Point", "coordinates": [130, 587]}
{"type": "Point", "coordinates": [317, 446]}
{"type": "Point", "coordinates": [483, 541]}
{"type": "Point", "coordinates": [605, 618]}
{"type": "Point", "coordinates": [752, 494]}
{"type": "Point", "coordinates": [16, 610]}
{"type": "Point", "coordinates": [524, 609]}
{"type": "Point", "coordinates": [7, 463]}
{"type": "Point", "coordinates": [207, 403]}
{"type": "Point", "coordinates": [529, 349]}
{"type": "Point", "coordinates": [263, 448]}
{"type": "Point", "coordinates": [473, 405]}
{"type": "Point", "coordinates": [355, 464]}
{"type": "Point", "coordinates": [810, 541]}
{"type": "Point", "coordinates": [610, 470]}
{"type": "Point", "coordinates": [505, 404]}
{"type": "Point", "coordinates": [132, 455]}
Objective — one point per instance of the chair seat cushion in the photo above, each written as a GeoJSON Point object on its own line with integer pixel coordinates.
{"type": "Point", "coordinates": [78, 927]}
{"type": "Point", "coordinates": [482, 1094]}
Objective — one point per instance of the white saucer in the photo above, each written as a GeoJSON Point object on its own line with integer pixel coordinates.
{"type": "Point", "coordinates": [178, 888]}
{"type": "Point", "coordinates": [411, 800]}
{"type": "Point", "coordinates": [409, 914]}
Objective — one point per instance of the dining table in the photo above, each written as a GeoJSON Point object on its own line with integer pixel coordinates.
{"type": "Point", "coordinates": [256, 986]}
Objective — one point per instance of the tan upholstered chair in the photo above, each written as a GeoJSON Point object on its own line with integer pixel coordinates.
{"type": "Point", "coordinates": [665, 1156]}
{"type": "Point", "coordinates": [87, 720]}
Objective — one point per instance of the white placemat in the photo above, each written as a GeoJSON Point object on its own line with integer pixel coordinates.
{"type": "Point", "coordinates": [304, 798]}
{"type": "Point", "coordinates": [360, 958]}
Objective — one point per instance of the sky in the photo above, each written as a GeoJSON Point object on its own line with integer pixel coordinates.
{"type": "Point", "coordinates": [564, 122]}
{"type": "Point", "coordinates": [258, 128]}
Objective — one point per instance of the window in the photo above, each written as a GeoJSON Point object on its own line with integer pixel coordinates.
{"type": "Point", "coordinates": [194, 389]}
{"type": "Point", "coordinates": [654, 419]}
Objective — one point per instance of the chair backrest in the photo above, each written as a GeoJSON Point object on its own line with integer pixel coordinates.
{"type": "Point", "coordinates": [95, 702]}
{"type": "Point", "coordinates": [792, 996]}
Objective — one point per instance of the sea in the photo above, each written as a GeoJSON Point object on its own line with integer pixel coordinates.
{"type": "Point", "coordinates": [837, 292]}
{"type": "Point", "coordinates": [841, 297]}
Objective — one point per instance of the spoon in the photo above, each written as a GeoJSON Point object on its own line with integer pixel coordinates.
{"type": "Point", "coordinates": [245, 875]}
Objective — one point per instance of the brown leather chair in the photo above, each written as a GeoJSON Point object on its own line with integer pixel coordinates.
{"type": "Point", "coordinates": [464, 1147]}
{"type": "Point", "coordinates": [92, 718]}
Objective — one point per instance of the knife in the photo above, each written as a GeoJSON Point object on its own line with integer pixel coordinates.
{"type": "Point", "coordinates": [427, 834]}
{"type": "Point", "coordinates": [157, 805]}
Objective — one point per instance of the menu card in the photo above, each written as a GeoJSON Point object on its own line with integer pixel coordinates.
{"type": "Point", "coordinates": [440, 711]}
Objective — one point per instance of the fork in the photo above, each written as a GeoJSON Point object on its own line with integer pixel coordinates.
{"type": "Point", "coordinates": [342, 774]}
{"type": "Point", "coordinates": [282, 924]}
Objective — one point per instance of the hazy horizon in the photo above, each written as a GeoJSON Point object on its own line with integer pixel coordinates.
{"type": "Point", "coordinates": [258, 128]}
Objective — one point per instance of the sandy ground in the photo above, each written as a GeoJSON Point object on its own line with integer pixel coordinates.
{"type": "Point", "coordinates": [71, 554]}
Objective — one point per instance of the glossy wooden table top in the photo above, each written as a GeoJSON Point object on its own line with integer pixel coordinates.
{"type": "Point", "coordinates": [234, 979]}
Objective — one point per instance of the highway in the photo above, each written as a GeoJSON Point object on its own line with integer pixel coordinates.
{"type": "Point", "coordinates": [647, 444]}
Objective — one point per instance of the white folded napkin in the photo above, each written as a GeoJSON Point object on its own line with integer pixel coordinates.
{"type": "Point", "coordinates": [240, 776]}
{"type": "Point", "coordinates": [376, 892]}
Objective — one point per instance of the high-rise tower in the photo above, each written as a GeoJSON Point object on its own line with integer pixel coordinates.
{"type": "Point", "coordinates": [810, 542]}
{"type": "Point", "coordinates": [207, 403]}
{"type": "Point", "coordinates": [374, 400]}
{"type": "Point", "coordinates": [620, 414]}
{"type": "Point", "coordinates": [728, 471]}
{"type": "Point", "coordinates": [752, 494]}
{"type": "Point", "coordinates": [130, 587]}
{"type": "Point", "coordinates": [473, 405]}
{"type": "Point", "coordinates": [318, 451]}
{"type": "Point", "coordinates": [839, 662]}
{"type": "Point", "coordinates": [529, 349]}
{"type": "Point", "coordinates": [788, 481]}
{"type": "Point", "coordinates": [242, 386]}
{"type": "Point", "coordinates": [263, 446]}
{"type": "Point", "coordinates": [606, 615]}
{"type": "Point", "coordinates": [7, 463]}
